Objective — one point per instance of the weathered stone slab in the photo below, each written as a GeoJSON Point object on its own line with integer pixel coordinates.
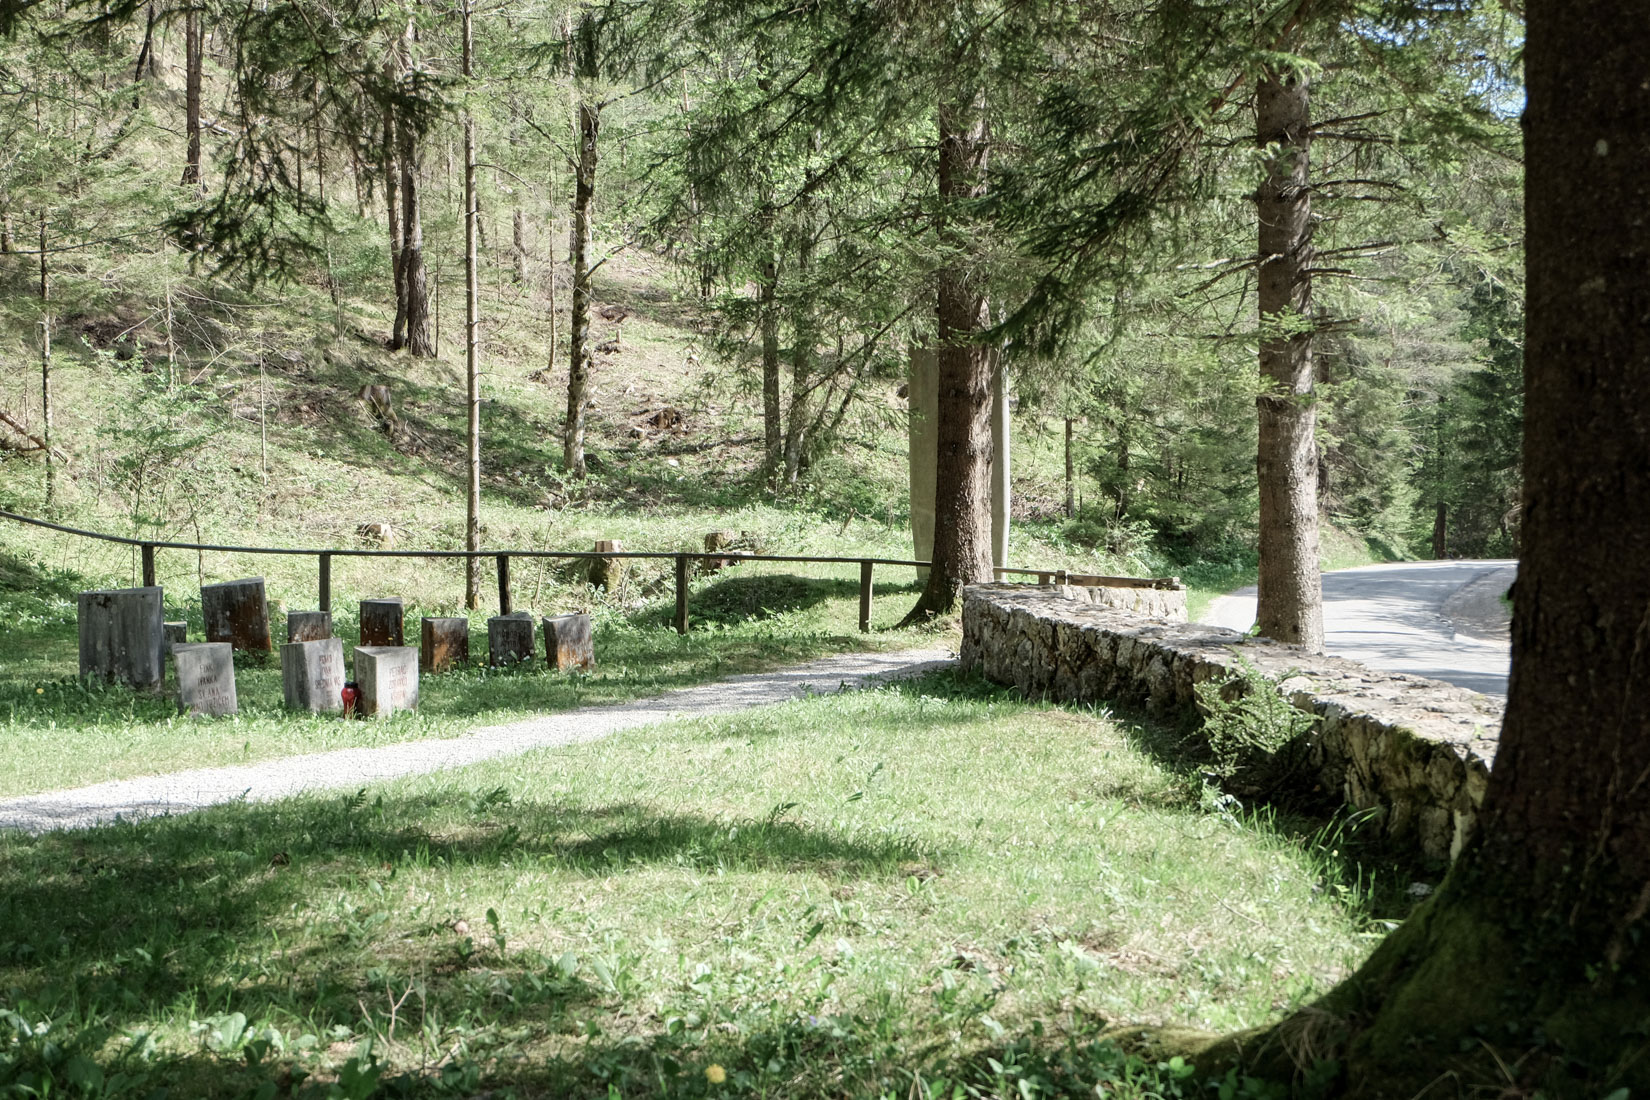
{"type": "Point", "coordinates": [510, 639]}
{"type": "Point", "coordinates": [173, 633]}
{"type": "Point", "coordinates": [205, 676]}
{"type": "Point", "coordinates": [236, 612]}
{"type": "Point", "coordinates": [381, 622]}
{"type": "Point", "coordinates": [121, 637]}
{"type": "Point", "coordinates": [387, 677]}
{"type": "Point", "coordinates": [1418, 751]}
{"type": "Point", "coordinates": [308, 626]}
{"type": "Point", "coordinates": [568, 642]}
{"type": "Point", "coordinates": [443, 643]}
{"type": "Point", "coordinates": [312, 675]}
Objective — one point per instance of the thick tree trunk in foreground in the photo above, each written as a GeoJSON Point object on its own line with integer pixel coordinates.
{"type": "Point", "coordinates": [1291, 593]}
{"type": "Point", "coordinates": [962, 495]}
{"type": "Point", "coordinates": [472, 335]}
{"type": "Point", "coordinates": [415, 287]}
{"type": "Point", "coordinates": [578, 328]}
{"type": "Point", "coordinates": [193, 51]}
{"type": "Point", "coordinates": [1529, 970]}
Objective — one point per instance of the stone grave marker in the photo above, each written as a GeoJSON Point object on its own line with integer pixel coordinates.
{"type": "Point", "coordinates": [388, 678]}
{"type": "Point", "coordinates": [121, 638]}
{"type": "Point", "coordinates": [381, 622]}
{"type": "Point", "coordinates": [443, 643]}
{"type": "Point", "coordinates": [312, 675]}
{"type": "Point", "coordinates": [567, 642]}
{"type": "Point", "coordinates": [308, 626]}
{"type": "Point", "coordinates": [205, 675]}
{"type": "Point", "coordinates": [236, 612]}
{"type": "Point", "coordinates": [510, 639]}
{"type": "Point", "coordinates": [173, 633]}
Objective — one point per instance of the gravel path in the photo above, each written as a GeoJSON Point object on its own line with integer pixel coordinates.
{"type": "Point", "coordinates": [180, 792]}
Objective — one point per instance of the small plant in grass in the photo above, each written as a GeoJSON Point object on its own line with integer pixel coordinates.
{"type": "Point", "coordinates": [1256, 737]}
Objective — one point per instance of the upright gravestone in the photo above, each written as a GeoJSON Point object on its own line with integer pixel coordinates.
{"type": "Point", "coordinates": [312, 675]}
{"type": "Point", "coordinates": [567, 642]}
{"type": "Point", "coordinates": [443, 643]}
{"type": "Point", "coordinates": [236, 612]}
{"type": "Point", "coordinates": [387, 677]}
{"type": "Point", "coordinates": [510, 639]}
{"type": "Point", "coordinates": [381, 622]}
{"type": "Point", "coordinates": [308, 626]}
{"type": "Point", "coordinates": [173, 633]}
{"type": "Point", "coordinates": [121, 637]}
{"type": "Point", "coordinates": [205, 674]}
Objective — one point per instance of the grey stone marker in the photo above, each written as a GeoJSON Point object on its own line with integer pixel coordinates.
{"type": "Point", "coordinates": [205, 673]}
{"type": "Point", "coordinates": [308, 626]}
{"type": "Point", "coordinates": [567, 642]}
{"type": "Point", "coordinates": [121, 637]}
{"type": "Point", "coordinates": [381, 622]}
{"type": "Point", "coordinates": [312, 675]}
{"type": "Point", "coordinates": [173, 633]}
{"type": "Point", "coordinates": [236, 612]}
{"type": "Point", "coordinates": [510, 639]}
{"type": "Point", "coordinates": [443, 643]}
{"type": "Point", "coordinates": [388, 678]}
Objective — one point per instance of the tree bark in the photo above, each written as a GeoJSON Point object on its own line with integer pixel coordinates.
{"type": "Point", "coordinates": [46, 369]}
{"type": "Point", "coordinates": [415, 286]}
{"type": "Point", "coordinates": [1002, 490]}
{"type": "Point", "coordinates": [518, 243]}
{"type": "Point", "coordinates": [803, 351]}
{"type": "Point", "coordinates": [768, 314]}
{"type": "Point", "coordinates": [1440, 524]}
{"type": "Point", "coordinates": [578, 248]}
{"type": "Point", "coordinates": [962, 496]}
{"type": "Point", "coordinates": [193, 51]}
{"type": "Point", "coordinates": [1290, 607]}
{"type": "Point", "coordinates": [922, 443]}
{"type": "Point", "coordinates": [1071, 480]}
{"type": "Point", "coordinates": [472, 333]}
{"type": "Point", "coordinates": [1528, 972]}
{"type": "Point", "coordinates": [392, 176]}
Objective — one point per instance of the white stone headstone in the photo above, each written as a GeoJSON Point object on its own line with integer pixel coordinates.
{"type": "Point", "coordinates": [312, 675]}
{"type": "Point", "coordinates": [388, 678]}
{"type": "Point", "coordinates": [205, 674]}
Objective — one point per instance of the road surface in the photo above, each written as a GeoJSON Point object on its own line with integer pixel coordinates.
{"type": "Point", "coordinates": [1441, 619]}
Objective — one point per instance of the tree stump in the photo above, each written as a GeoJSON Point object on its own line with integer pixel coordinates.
{"type": "Point", "coordinates": [236, 612]}
{"type": "Point", "coordinates": [381, 622]}
{"type": "Point", "coordinates": [443, 644]}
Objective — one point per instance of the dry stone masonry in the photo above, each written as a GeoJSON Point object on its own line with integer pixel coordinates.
{"type": "Point", "coordinates": [1417, 751]}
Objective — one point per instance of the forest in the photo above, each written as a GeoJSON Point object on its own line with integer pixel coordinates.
{"type": "Point", "coordinates": [1223, 292]}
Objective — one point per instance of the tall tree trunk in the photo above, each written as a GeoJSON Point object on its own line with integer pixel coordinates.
{"type": "Point", "coordinates": [46, 369]}
{"type": "Point", "coordinates": [518, 243]}
{"type": "Point", "coordinates": [1002, 491]}
{"type": "Point", "coordinates": [1291, 592]}
{"type": "Point", "coordinates": [8, 241]}
{"type": "Point", "coordinates": [1440, 528]}
{"type": "Point", "coordinates": [578, 328]}
{"type": "Point", "coordinates": [392, 201]}
{"type": "Point", "coordinates": [147, 64]}
{"type": "Point", "coordinates": [414, 276]}
{"type": "Point", "coordinates": [803, 352]}
{"type": "Point", "coordinates": [962, 496]}
{"type": "Point", "coordinates": [768, 314]}
{"type": "Point", "coordinates": [472, 334]}
{"type": "Point", "coordinates": [1529, 969]}
{"type": "Point", "coordinates": [193, 51]}
{"type": "Point", "coordinates": [1071, 478]}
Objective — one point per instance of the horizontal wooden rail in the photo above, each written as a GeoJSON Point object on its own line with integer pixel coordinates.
{"type": "Point", "coordinates": [324, 556]}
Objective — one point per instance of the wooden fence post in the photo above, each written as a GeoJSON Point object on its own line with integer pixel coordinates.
{"type": "Point", "coordinates": [864, 597]}
{"type": "Point", "coordinates": [326, 582]}
{"type": "Point", "coordinates": [148, 565]}
{"type": "Point", "coordinates": [681, 593]}
{"type": "Point", "coordinates": [504, 584]}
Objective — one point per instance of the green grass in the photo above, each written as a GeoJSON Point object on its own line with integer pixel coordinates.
{"type": "Point", "coordinates": [890, 893]}
{"type": "Point", "coordinates": [61, 732]}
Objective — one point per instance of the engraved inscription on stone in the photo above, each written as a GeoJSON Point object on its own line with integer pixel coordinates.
{"type": "Point", "coordinates": [312, 675]}
{"type": "Point", "coordinates": [568, 643]}
{"type": "Point", "coordinates": [387, 677]}
{"type": "Point", "coordinates": [205, 674]}
{"type": "Point", "coordinates": [121, 637]}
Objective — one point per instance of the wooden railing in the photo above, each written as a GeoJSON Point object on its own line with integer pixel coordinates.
{"type": "Point", "coordinates": [501, 558]}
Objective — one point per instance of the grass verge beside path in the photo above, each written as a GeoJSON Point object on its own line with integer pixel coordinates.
{"type": "Point", "coordinates": [59, 732]}
{"type": "Point", "coordinates": [927, 889]}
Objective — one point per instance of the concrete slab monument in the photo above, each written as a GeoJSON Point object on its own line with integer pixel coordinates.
{"type": "Point", "coordinates": [381, 622]}
{"type": "Point", "coordinates": [173, 633]}
{"type": "Point", "coordinates": [443, 643]}
{"type": "Point", "coordinates": [388, 678]}
{"type": "Point", "coordinates": [121, 638]}
{"type": "Point", "coordinates": [568, 642]}
{"type": "Point", "coordinates": [205, 676]}
{"type": "Point", "coordinates": [308, 626]}
{"type": "Point", "coordinates": [510, 639]}
{"type": "Point", "coordinates": [236, 612]}
{"type": "Point", "coordinates": [312, 675]}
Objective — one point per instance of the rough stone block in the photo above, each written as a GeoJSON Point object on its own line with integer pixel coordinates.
{"type": "Point", "coordinates": [443, 644]}
{"type": "Point", "coordinates": [509, 639]}
{"type": "Point", "coordinates": [387, 677]}
{"type": "Point", "coordinates": [121, 637]}
{"type": "Point", "coordinates": [205, 675]}
{"type": "Point", "coordinates": [236, 612]}
{"type": "Point", "coordinates": [173, 633]}
{"type": "Point", "coordinates": [608, 572]}
{"type": "Point", "coordinates": [381, 622]}
{"type": "Point", "coordinates": [308, 626]}
{"type": "Point", "coordinates": [312, 675]}
{"type": "Point", "coordinates": [568, 642]}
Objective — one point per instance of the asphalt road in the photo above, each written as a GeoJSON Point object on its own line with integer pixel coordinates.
{"type": "Point", "coordinates": [1441, 619]}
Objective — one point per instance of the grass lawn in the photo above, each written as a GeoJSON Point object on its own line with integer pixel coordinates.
{"type": "Point", "coordinates": [923, 890]}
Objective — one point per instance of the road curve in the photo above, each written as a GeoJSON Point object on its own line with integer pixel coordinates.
{"type": "Point", "coordinates": [1430, 618]}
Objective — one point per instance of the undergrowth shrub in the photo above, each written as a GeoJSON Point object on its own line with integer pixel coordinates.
{"type": "Point", "coordinates": [1258, 741]}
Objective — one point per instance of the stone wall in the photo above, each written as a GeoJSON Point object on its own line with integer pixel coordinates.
{"type": "Point", "coordinates": [1416, 750]}
{"type": "Point", "coordinates": [1167, 603]}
